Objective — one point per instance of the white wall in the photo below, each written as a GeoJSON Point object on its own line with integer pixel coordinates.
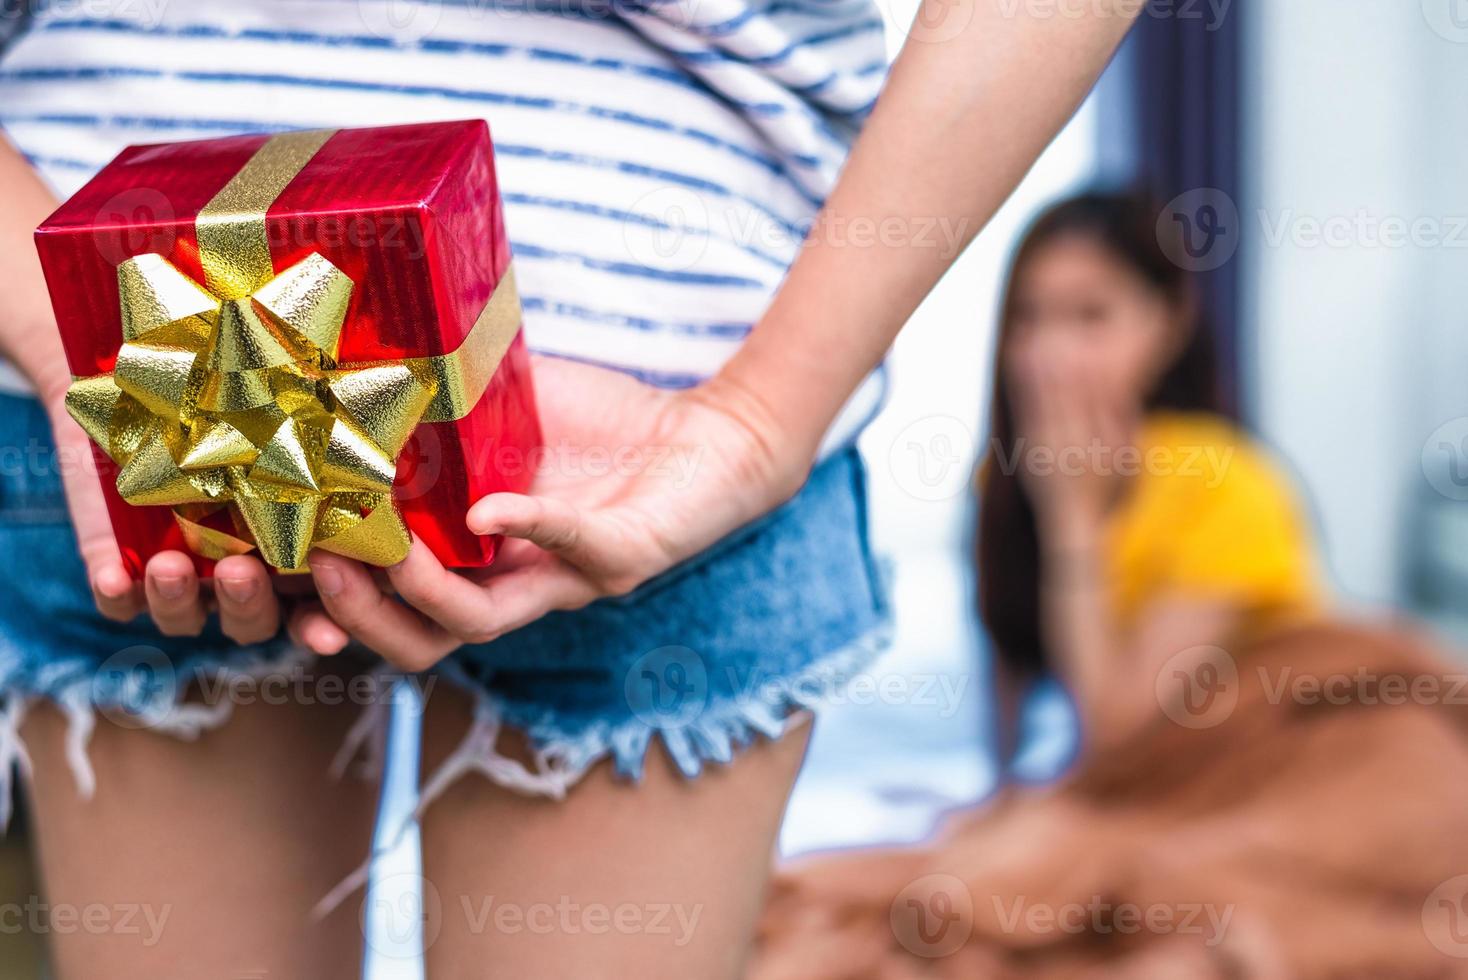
{"type": "Point", "coordinates": [1357, 116]}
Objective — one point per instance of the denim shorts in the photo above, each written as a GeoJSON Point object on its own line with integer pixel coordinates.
{"type": "Point", "coordinates": [713, 653]}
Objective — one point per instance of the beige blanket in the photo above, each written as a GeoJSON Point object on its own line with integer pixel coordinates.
{"type": "Point", "coordinates": [1318, 830]}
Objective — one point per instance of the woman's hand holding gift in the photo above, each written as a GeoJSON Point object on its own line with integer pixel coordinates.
{"type": "Point", "coordinates": [634, 480]}
{"type": "Point", "coordinates": [171, 591]}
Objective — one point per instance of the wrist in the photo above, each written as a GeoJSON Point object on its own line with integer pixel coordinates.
{"type": "Point", "coordinates": [780, 458]}
{"type": "Point", "coordinates": [1071, 530]}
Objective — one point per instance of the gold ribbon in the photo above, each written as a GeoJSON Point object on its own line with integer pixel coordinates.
{"type": "Point", "coordinates": [228, 395]}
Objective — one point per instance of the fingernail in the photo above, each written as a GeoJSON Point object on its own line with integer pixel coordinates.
{"type": "Point", "coordinates": [328, 578]}
{"type": "Point", "coordinates": [239, 589]}
{"type": "Point", "coordinates": [169, 586]}
{"type": "Point", "coordinates": [484, 527]}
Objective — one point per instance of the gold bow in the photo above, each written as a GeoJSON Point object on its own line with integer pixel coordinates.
{"type": "Point", "coordinates": [230, 396]}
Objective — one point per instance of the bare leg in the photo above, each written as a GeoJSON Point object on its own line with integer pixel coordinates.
{"type": "Point", "coordinates": [215, 850]}
{"type": "Point", "coordinates": [663, 879]}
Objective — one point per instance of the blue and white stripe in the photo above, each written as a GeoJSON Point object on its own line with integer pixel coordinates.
{"type": "Point", "coordinates": [660, 159]}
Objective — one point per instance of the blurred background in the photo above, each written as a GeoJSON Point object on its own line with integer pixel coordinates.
{"type": "Point", "coordinates": [1314, 153]}
{"type": "Point", "coordinates": [1318, 155]}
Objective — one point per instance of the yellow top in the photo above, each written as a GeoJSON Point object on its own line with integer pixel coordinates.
{"type": "Point", "coordinates": [1209, 516]}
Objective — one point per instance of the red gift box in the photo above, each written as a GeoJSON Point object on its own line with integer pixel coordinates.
{"type": "Point", "coordinates": [362, 351]}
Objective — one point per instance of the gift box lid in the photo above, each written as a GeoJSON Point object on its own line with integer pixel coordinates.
{"type": "Point", "coordinates": [410, 213]}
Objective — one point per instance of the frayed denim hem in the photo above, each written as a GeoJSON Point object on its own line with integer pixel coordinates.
{"type": "Point", "coordinates": [159, 702]}
{"type": "Point", "coordinates": [560, 759]}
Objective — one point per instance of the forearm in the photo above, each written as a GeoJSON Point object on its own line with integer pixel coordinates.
{"type": "Point", "coordinates": [959, 124]}
{"type": "Point", "coordinates": [28, 337]}
{"type": "Point", "coordinates": [1078, 627]}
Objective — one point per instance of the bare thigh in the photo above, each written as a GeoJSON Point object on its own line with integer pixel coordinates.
{"type": "Point", "coordinates": [216, 850]}
{"type": "Point", "coordinates": [662, 879]}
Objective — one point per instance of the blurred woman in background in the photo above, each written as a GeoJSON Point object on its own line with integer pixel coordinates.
{"type": "Point", "coordinates": [1125, 524]}
{"type": "Point", "coordinates": [1139, 547]}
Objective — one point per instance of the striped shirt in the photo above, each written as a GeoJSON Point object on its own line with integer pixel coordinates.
{"type": "Point", "coordinates": [660, 160]}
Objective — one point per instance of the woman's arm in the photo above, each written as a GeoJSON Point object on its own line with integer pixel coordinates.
{"type": "Point", "coordinates": [958, 125]}
{"type": "Point", "coordinates": [1113, 673]}
{"type": "Point", "coordinates": [960, 122]}
{"type": "Point", "coordinates": [28, 337]}
{"type": "Point", "coordinates": [1116, 677]}
{"type": "Point", "coordinates": [29, 340]}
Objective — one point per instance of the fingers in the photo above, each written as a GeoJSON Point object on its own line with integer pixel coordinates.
{"type": "Point", "coordinates": [519, 598]}
{"type": "Point", "coordinates": [479, 612]}
{"type": "Point", "coordinates": [174, 600]}
{"type": "Point", "coordinates": [249, 611]}
{"type": "Point", "coordinates": [384, 625]}
{"type": "Point", "coordinates": [552, 525]}
{"type": "Point", "coordinates": [311, 628]}
{"type": "Point", "coordinates": [117, 596]}
{"type": "Point", "coordinates": [450, 600]}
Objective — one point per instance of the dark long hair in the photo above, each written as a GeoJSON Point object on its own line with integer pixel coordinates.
{"type": "Point", "coordinates": [1007, 548]}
